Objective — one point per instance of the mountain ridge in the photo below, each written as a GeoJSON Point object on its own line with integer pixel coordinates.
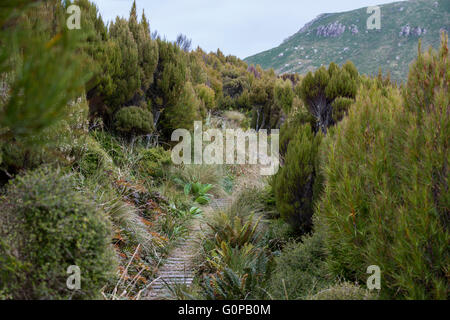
{"type": "Point", "coordinates": [338, 37]}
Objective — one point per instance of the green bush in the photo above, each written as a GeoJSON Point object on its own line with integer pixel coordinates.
{"type": "Point", "coordinates": [297, 184]}
{"type": "Point", "coordinates": [93, 158]}
{"type": "Point", "coordinates": [319, 91]}
{"type": "Point", "coordinates": [35, 100]}
{"type": "Point", "coordinates": [298, 116]}
{"type": "Point", "coordinates": [326, 96]}
{"type": "Point", "coordinates": [206, 95]}
{"type": "Point", "coordinates": [122, 64]}
{"type": "Point", "coordinates": [278, 234]}
{"type": "Point", "coordinates": [184, 112]}
{"type": "Point", "coordinates": [45, 227]}
{"type": "Point", "coordinates": [153, 162]}
{"type": "Point", "coordinates": [247, 281]}
{"type": "Point", "coordinates": [134, 121]}
{"type": "Point", "coordinates": [284, 95]}
{"type": "Point", "coordinates": [386, 196]}
{"type": "Point", "coordinates": [56, 144]}
{"type": "Point", "coordinates": [300, 270]}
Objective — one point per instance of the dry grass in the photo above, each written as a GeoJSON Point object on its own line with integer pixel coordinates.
{"type": "Point", "coordinates": [234, 116]}
{"type": "Point", "coordinates": [344, 291]}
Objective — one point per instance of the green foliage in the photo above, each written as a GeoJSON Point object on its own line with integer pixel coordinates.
{"type": "Point", "coordinates": [206, 95]}
{"type": "Point", "coordinates": [35, 101]}
{"type": "Point", "coordinates": [326, 95]}
{"type": "Point", "coordinates": [46, 226]}
{"type": "Point", "coordinates": [295, 119]}
{"type": "Point", "coordinates": [430, 73]}
{"type": "Point", "coordinates": [386, 194]}
{"type": "Point", "coordinates": [236, 262]}
{"type": "Point", "coordinates": [278, 234]}
{"type": "Point", "coordinates": [127, 75]}
{"type": "Point", "coordinates": [300, 270]}
{"type": "Point", "coordinates": [55, 144]}
{"type": "Point", "coordinates": [284, 95]}
{"type": "Point", "coordinates": [234, 82]}
{"type": "Point", "coordinates": [147, 49]}
{"type": "Point", "coordinates": [297, 184]}
{"type": "Point", "coordinates": [184, 112]}
{"type": "Point", "coordinates": [199, 191]}
{"type": "Point", "coordinates": [203, 174]}
{"type": "Point", "coordinates": [266, 112]}
{"type": "Point", "coordinates": [321, 89]}
{"type": "Point", "coordinates": [134, 121]}
{"type": "Point", "coordinates": [153, 163]}
{"type": "Point", "coordinates": [235, 230]}
{"type": "Point", "coordinates": [249, 283]}
{"type": "Point", "coordinates": [340, 107]}
{"type": "Point", "coordinates": [170, 74]}
{"type": "Point", "coordinates": [111, 145]}
{"type": "Point", "coordinates": [94, 159]}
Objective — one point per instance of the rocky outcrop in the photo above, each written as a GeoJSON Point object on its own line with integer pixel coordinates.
{"type": "Point", "coordinates": [407, 31]}
{"type": "Point", "coordinates": [331, 30]}
{"type": "Point", "coordinates": [307, 26]}
{"type": "Point", "coordinates": [354, 29]}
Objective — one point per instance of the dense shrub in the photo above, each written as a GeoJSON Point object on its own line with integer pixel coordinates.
{"type": "Point", "coordinates": [284, 95]}
{"type": "Point", "coordinates": [147, 48]}
{"type": "Point", "coordinates": [93, 158]}
{"type": "Point", "coordinates": [248, 283]}
{"type": "Point", "coordinates": [298, 116]}
{"type": "Point", "coordinates": [300, 270]}
{"type": "Point", "coordinates": [126, 74]}
{"type": "Point", "coordinates": [321, 89]}
{"type": "Point", "coordinates": [206, 95]}
{"type": "Point", "coordinates": [34, 100]}
{"type": "Point", "coordinates": [153, 163]}
{"type": "Point", "coordinates": [386, 195]}
{"type": "Point", "coordinates": [326, 95]}
{"type": "Point", "coordinates": [297, 184]}
{"type": "Point", "coordinates": [266, 112]}
{"type": "Point", "coordinates": [46, 226]}
{"type": "Point", "coordinates": [134, 121]}
{"type": "Point", "coordinates": [111, 145]}
{"type": "Point", "coordinates": [55, 144]}
{"type": "Point", "coordinates": [183, 113]}
{"type": "Point", "coordinates": [278, 234]}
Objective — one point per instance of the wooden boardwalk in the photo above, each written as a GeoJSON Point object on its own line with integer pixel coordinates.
{"type": "Point", "coordinates": [179, 268]}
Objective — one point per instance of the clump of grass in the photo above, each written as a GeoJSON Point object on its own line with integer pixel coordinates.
{"type": "Point", "coordinates": [204, 174]}
{"type": "Point", "coordinates": [235, 261]}
{"type": "Point", "coordinates": [343, 291]}
{"type": "Point", "coordinates": [301, 269]}
{"type": "Point", "coordinates": [234, 116]}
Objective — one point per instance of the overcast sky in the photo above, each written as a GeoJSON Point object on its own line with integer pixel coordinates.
{"type": "Point", "coordinates": [238, 27]}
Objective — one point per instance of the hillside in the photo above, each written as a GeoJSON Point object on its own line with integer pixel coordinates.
{"type": "Point", "coordinates": [344, 36]}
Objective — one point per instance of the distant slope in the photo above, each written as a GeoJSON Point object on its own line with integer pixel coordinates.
{"type": "Point", "coordinates": [344, 36]}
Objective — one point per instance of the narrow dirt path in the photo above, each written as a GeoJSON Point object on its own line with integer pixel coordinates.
{"type": "Point", "coordinates": [179, 266]}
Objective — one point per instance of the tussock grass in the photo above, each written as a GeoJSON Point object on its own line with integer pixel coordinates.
{"type": "Point", "coordinates": [205, 174]}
